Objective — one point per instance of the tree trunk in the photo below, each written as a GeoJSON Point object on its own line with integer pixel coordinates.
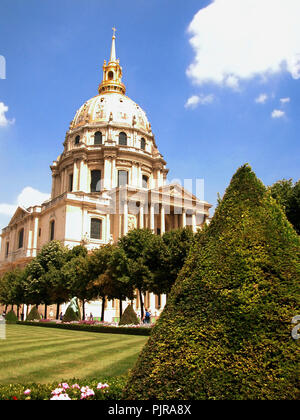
{"type": "Point", "coordinates": [5, 308]}
{"type": "Point", "coordinates": [18, 311]}
{"type": "Point", "coordinates": [12, 307]}
{"type": "Point", "coordinates": [57, 310]}
{"type": "Point", "coordinates": [142, 304]}
{"type": "Point", "coordinates": [120, 308]}
{"type": "Point", "coordinates": [45, 313]}
{"type": "Point", "coordinates": [103, 309]}
{"type": "Point", "coordinates": [83, 310]}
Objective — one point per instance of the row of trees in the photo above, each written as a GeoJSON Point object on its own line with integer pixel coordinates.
{"type": "Point", "coordinates": [141, 261]}
{"type": "Point", "coordinates": [287, 194]}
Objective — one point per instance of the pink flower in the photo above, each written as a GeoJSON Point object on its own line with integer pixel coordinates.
{"type": "Point", "coordinates": [86, 392]}
{"type": "Point", "coordinates": [61, 397]}
{"type": "Point", "coordinates": [102, 386]}
{"type": "Point", "coordinates": [76, 386]}
{"type": "Point", "coordinates": [57, 391]}
{"type": "Point", "coordinates": [27, 392]}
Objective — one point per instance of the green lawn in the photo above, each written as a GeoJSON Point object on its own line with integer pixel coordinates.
{"type": "Point", "coordinates": [43, 355]}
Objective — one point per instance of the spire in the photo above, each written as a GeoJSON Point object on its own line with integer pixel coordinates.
{"type": "Point", "coordinates": [112, 72]}
{"type": "Point", "coordinates": [113, 47]}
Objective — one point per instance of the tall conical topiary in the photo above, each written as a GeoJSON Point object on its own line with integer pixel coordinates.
{"type": "Point", "coordinates": [33, 314]}
{"type": "Point", "coordinates": [225, 332]}
{"type": "Point", "coordinates": [129, 317]}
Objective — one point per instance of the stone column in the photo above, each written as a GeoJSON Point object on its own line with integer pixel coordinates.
{"type": "Point", "coordinates": [141, 216]}
{"type": "Point", "coordinates": [152, 217]}
{"type": "Point", "coordinates": [194, 222]}
{"type": "Point", "coordinates": [83, 176]}
{"type": "Point", "coordinates": [35, 237]}
{"type": "Point", "coordinates": [162, 220]}
{"type": "Point", "coordinates": [107, 173]}
{"type": "Point", "coordinates": [75, 176]}
{"type": "Point", "coordinates": [183, 220]}
{"type": "Point", "coordinates": [125, 218]}
{"type": "Point", "coordinates": [107, 228]}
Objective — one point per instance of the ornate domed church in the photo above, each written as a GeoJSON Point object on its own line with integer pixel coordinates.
{"type": "Point", "coordinates": [110, 178]}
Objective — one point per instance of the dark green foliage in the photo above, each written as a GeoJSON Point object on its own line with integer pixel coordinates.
{"type": "Point", "coordinates": [225, 332]}
{"type": "Point", "coordinates": [287, 195]}
{"type": "Point", "coordinates": [70, 315]}
{"type": "Point", "coordinates": [129, 317]}
{"type": "Point", "coordinates": [33, 314]}
{"type": "Point", "coordinates": [11, 316]}
{"type": "Point", "coordinates": [144, 331]}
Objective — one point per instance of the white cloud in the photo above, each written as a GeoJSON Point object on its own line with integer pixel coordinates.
{"type": "Point", "coordinates": [195, 100]}
{"type": "Point", "coordinates": [4, 122]}
{"type": "Point", "coordinates": [262, 98]}
{"type": "Point", "coordinates": [236, 40]}
{"type": "Point", "coordinates": [28, 197]}
{"type": "Point", "coordinates": [285, 100]}
{"type": "Point", "coordinates": [277, 113]}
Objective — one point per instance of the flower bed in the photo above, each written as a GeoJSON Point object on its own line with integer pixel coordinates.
{"type": "Point", "coordinates": [93, 326]}
{"type": "Point", "coordinates": [110, 389]}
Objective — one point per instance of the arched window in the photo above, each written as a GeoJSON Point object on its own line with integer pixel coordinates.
{"type": "Point", "coordinates": [145, 181]}
{"type": "Point", "coordinates": [123, 139]}
{"type": "Point", "coordinates": [98, 138]}
{"type": "Point", "coordinates": [96, 229]}
{"type": "Point", "coordinates": [77, 139]}
{"type": "Point", "coordinates": [21, 238]}
{"type": "Point", "coordinates": [52, 230]}
{"type": "Point", "coordinates": [110, 75]}
{"type": "Point", "coordinates": [143, 144]}
{"type": "Point", "coordinates": [95, 181]}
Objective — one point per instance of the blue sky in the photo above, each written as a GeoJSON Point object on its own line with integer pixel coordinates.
{"type": "Point", "coordinates": [220, 85]}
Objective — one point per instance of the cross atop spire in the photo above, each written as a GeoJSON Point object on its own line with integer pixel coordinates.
{"type": "Point", "coordinates": [113, 47]}
{"type": "Point", "coordinates": [112, 72]}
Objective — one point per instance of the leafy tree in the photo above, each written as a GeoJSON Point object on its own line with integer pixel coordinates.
{"type": "Point", "coordinates": [108, 267]}
{"type": "Point", "coordinates": [42, 272]}
{"type": "Point", "coordinates": [136, 245]}
{"type": "Point", "coordinates": [166, 257]}
{"type": "Point", "coordinates": [12, 288]}
{"type": "Point", "coordinates": [76, 274]}
{"type": "Point", "coordinates": [287, 195]}
{"type": "Point", "coordinates": [225, 332]}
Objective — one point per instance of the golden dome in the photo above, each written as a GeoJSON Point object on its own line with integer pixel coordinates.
{"type": "Point", "coordinates": [112, 107]}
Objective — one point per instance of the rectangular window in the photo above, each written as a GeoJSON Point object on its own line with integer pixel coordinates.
{"type": "Point", "coordinates": [145, 181]}
{"type": "Point", "coordinates": [70, 183]}
{"type": "Point", "coordinates": [96, 229]}
{"type": "Point", "coordinates": [52, 228]}
{"type": "Point", "coordinates": [122, 178]}
{"type": "Point", "coordinates": [21, 238]}
{"type": "Point", "coordinates": [95, 181]}
{"type": "Point", "coordinates": [7, 249]}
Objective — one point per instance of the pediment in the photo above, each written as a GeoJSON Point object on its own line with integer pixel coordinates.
{"type": "Point", "coordinates": [175, 190]}
{"type": "Point", "coordinates": [19, 214]}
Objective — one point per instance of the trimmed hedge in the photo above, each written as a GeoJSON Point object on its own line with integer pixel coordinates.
{"type": "Point", "coordinates": [34, 314]}
{"type": "Point", "coordinates": [129, 317]}
{"type": "Point", "coordinates": [70, 315]}
{"type": "Point", "coordinates": [11, 317]}
{"type": "Point", "coordinates": [225, 332]}
{"type": "Point", "coordinates": [91, 328]}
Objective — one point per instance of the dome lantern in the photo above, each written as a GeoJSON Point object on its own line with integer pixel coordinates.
{"type": "Point", "coordinates": [112, 73]}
